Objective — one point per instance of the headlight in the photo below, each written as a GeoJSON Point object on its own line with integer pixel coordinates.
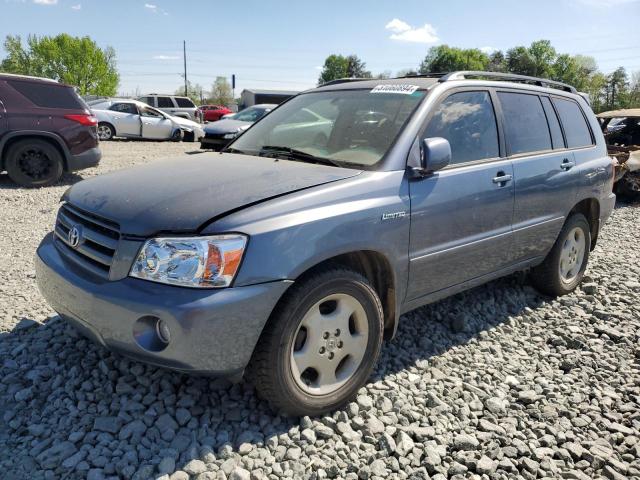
{"type": "Point", "coordinates": [205, 262]}
{"type": "Point", "coordinates": [230, 135]}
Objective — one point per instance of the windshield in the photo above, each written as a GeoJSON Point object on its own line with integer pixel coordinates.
{"type": "Point", "coordinates": [341, 127]}
{"type": "Point", "coordinates": [250, 114]}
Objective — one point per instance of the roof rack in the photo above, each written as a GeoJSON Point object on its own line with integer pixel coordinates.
{"type": "Point", "coordinates": [344, 80]}
{"type": "Point", "coordinates": [511, 77]}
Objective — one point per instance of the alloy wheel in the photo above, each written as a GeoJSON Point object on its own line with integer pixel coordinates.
{"type": "Point", "coordinates": [329, 344]}
{"type": "Point", "coordinates": [572, 255]}
{"type": "Point", "coordinates": [35, 163]}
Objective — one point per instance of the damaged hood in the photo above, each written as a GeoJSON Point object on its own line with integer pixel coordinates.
{"type": "Point", "coordinates": [182, 195]}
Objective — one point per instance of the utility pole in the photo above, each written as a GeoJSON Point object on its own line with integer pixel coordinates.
{"type": "Point", "coordinates": [184, 56]}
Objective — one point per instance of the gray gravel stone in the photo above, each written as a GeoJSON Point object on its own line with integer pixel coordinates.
{"type": "Point", "coordinates": [525, 387]}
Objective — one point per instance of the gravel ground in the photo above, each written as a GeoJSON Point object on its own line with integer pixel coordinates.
{"type": "Point", "coordinates": [498, 382]}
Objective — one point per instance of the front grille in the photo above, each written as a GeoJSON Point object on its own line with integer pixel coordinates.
{"type": "Point", "coordinates": [98, 240]}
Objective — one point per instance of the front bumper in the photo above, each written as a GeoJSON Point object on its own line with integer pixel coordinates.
{"type": "Point", "coordinates": [215, 142]}
{"type": "Point", "coordinates": [213, 332]}
{"type": "Point", "coordinates": [86, 159]}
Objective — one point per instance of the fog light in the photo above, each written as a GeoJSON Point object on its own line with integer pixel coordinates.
{"type": "Point", "coordinates": [151, 333]}
{"type": "Point", "coordinates": [162, 330]}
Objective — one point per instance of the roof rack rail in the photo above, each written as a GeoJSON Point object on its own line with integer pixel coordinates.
{"type": "Point", "coordinates": [512, 77]}
{"type": "Point", "coordinates": [426, 75]}
{"type": "Point", "coordinates": [344, 80]}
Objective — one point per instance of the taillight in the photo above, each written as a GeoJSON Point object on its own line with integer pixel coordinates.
{"type": "Point", "coordinates": [83, 119]}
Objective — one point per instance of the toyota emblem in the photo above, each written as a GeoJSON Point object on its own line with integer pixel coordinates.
{"type": "Point", "coordinates": [74, 236]}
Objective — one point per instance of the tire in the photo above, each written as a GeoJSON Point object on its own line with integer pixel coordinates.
{"type": "Point", "coordinates": [293, 338]}
{"type": "Point", "coordinates": [34, 163]}
{"type": "Point", "coordinates": [105, 131]}
{"type": "Point", "coordinates": [176, 136]}
{"type": "Point", "coordinates": [563, 268]}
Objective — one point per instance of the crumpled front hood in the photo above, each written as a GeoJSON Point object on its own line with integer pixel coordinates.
{"type": "Point", "coordinates": [225, 126]}
{"type": "Point", "coordinates": [183, 194]}
{"type": "Point", "coordinates": [185, 122]}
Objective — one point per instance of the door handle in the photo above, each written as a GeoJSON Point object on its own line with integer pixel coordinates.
{"type": "Point", "coordinates": [567, 164]}
{"type": "Point", "coordinates": [502, 178]}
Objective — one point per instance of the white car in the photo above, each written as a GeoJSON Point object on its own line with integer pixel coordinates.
{"type": "Point", "coordinates": [134, 119]}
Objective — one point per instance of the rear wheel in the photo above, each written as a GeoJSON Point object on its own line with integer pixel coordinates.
{"type": "Point", "coordinates": [563, 269]}
{"type": "Point", "coordinates": [105, 131]}
{"type": "Point", "coordinates": [34, 163]}
{"type": "Point", "coordinates": [321, 344]}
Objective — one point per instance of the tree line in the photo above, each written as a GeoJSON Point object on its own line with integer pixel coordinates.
{"type": "Point", "coordinates": [540, 59]}
{"type": "Point", "coordinates": [81, 62]}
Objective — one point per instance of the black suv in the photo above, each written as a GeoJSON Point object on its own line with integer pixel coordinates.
{"type": "Point", "coordinates": [45, 129]}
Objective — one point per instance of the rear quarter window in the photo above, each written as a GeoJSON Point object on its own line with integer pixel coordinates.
{"type": "Point", "coordinates": [554, 124]}
{"type": "Point", "coordinates": [575, 125]}
{"type": "Point", "coordinates": [48, 96]}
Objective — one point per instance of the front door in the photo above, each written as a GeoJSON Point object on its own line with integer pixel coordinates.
{"type": "Point", "coordinates": [461, 216]}
{"type": "Point", "coordinates": [155, 126]}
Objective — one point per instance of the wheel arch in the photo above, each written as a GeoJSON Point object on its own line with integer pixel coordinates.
{"type": "Point", "coordinates": [590, 208]}
{"type": "Point", "coordinates": [11, 138]}
{"type": "Point", "coordinates": [376, 268]}
{"type": "Point", "coordinates": [113, 127]}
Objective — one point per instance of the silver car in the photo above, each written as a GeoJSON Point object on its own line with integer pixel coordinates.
{"type": "Point", "coordinates": [134, 119]}
{"type": "Point", "coordinates": [173, 105]}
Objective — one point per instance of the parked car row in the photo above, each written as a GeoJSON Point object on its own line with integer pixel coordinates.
{"type": "Point", "coordinates": [134, 119]}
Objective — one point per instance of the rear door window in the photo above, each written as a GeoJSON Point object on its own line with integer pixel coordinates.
{"type": "Point", "coordinates": [554, 124]}
{"type": "Point", "coordinates": [184, 102]}
{"type": "Point", "coordinates": [575, 126]}
{"type": "Point", "coordinates": [48, 96]}
{"type": "Point", "coordinates": [165, 102]}
{"type": "Point", "coordinates": [468, 122]}
{"type": "Point", "coordinates": [525, 122]}
{"type": "Point", "coordinates": [124, 108]}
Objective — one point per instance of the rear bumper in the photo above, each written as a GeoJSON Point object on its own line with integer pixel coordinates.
{"type": "Point", "coordinates": [607, 205]}
{"type": "Point", "coordinates": [212, 332]}
{"type": "Point", "coordinates": [86, 159]}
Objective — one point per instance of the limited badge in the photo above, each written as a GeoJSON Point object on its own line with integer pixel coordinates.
{"type": "Point", "coordinates": [399, 88]}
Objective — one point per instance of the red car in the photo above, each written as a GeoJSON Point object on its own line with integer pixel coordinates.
{"type": "Point", "coordinates": [211, 113]}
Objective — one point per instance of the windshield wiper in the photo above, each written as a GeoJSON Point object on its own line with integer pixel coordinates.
{"type": "Point", "coordinates": [293, 154]}
{"type": "Point", "coordinates": [233, 150]}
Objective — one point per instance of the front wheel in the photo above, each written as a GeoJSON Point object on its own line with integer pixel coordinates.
{"type": "Point", "coordinates": [320, 345]}
{"type": "Point", "coordinates": [177, 135]}
{"type": "Point", "coordinates": [563, 268]}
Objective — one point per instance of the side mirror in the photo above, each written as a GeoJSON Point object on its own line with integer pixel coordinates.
{"type": "Point", "coordinates": [435, 155]}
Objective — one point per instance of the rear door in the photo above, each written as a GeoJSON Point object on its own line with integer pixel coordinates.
{"type": "Point", "coordinates": [461, 215]}
{"type": "Point", "coordinates": [126, 118]}
{"type": "Point", "coordinates": [545, 180]}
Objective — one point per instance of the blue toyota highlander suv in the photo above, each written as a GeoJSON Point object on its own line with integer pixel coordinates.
{"type": "Point", "coordinates": [292, 254]}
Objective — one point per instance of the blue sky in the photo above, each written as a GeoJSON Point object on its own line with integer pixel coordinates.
{"type": "Point", "coordinates": [281, 45]}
